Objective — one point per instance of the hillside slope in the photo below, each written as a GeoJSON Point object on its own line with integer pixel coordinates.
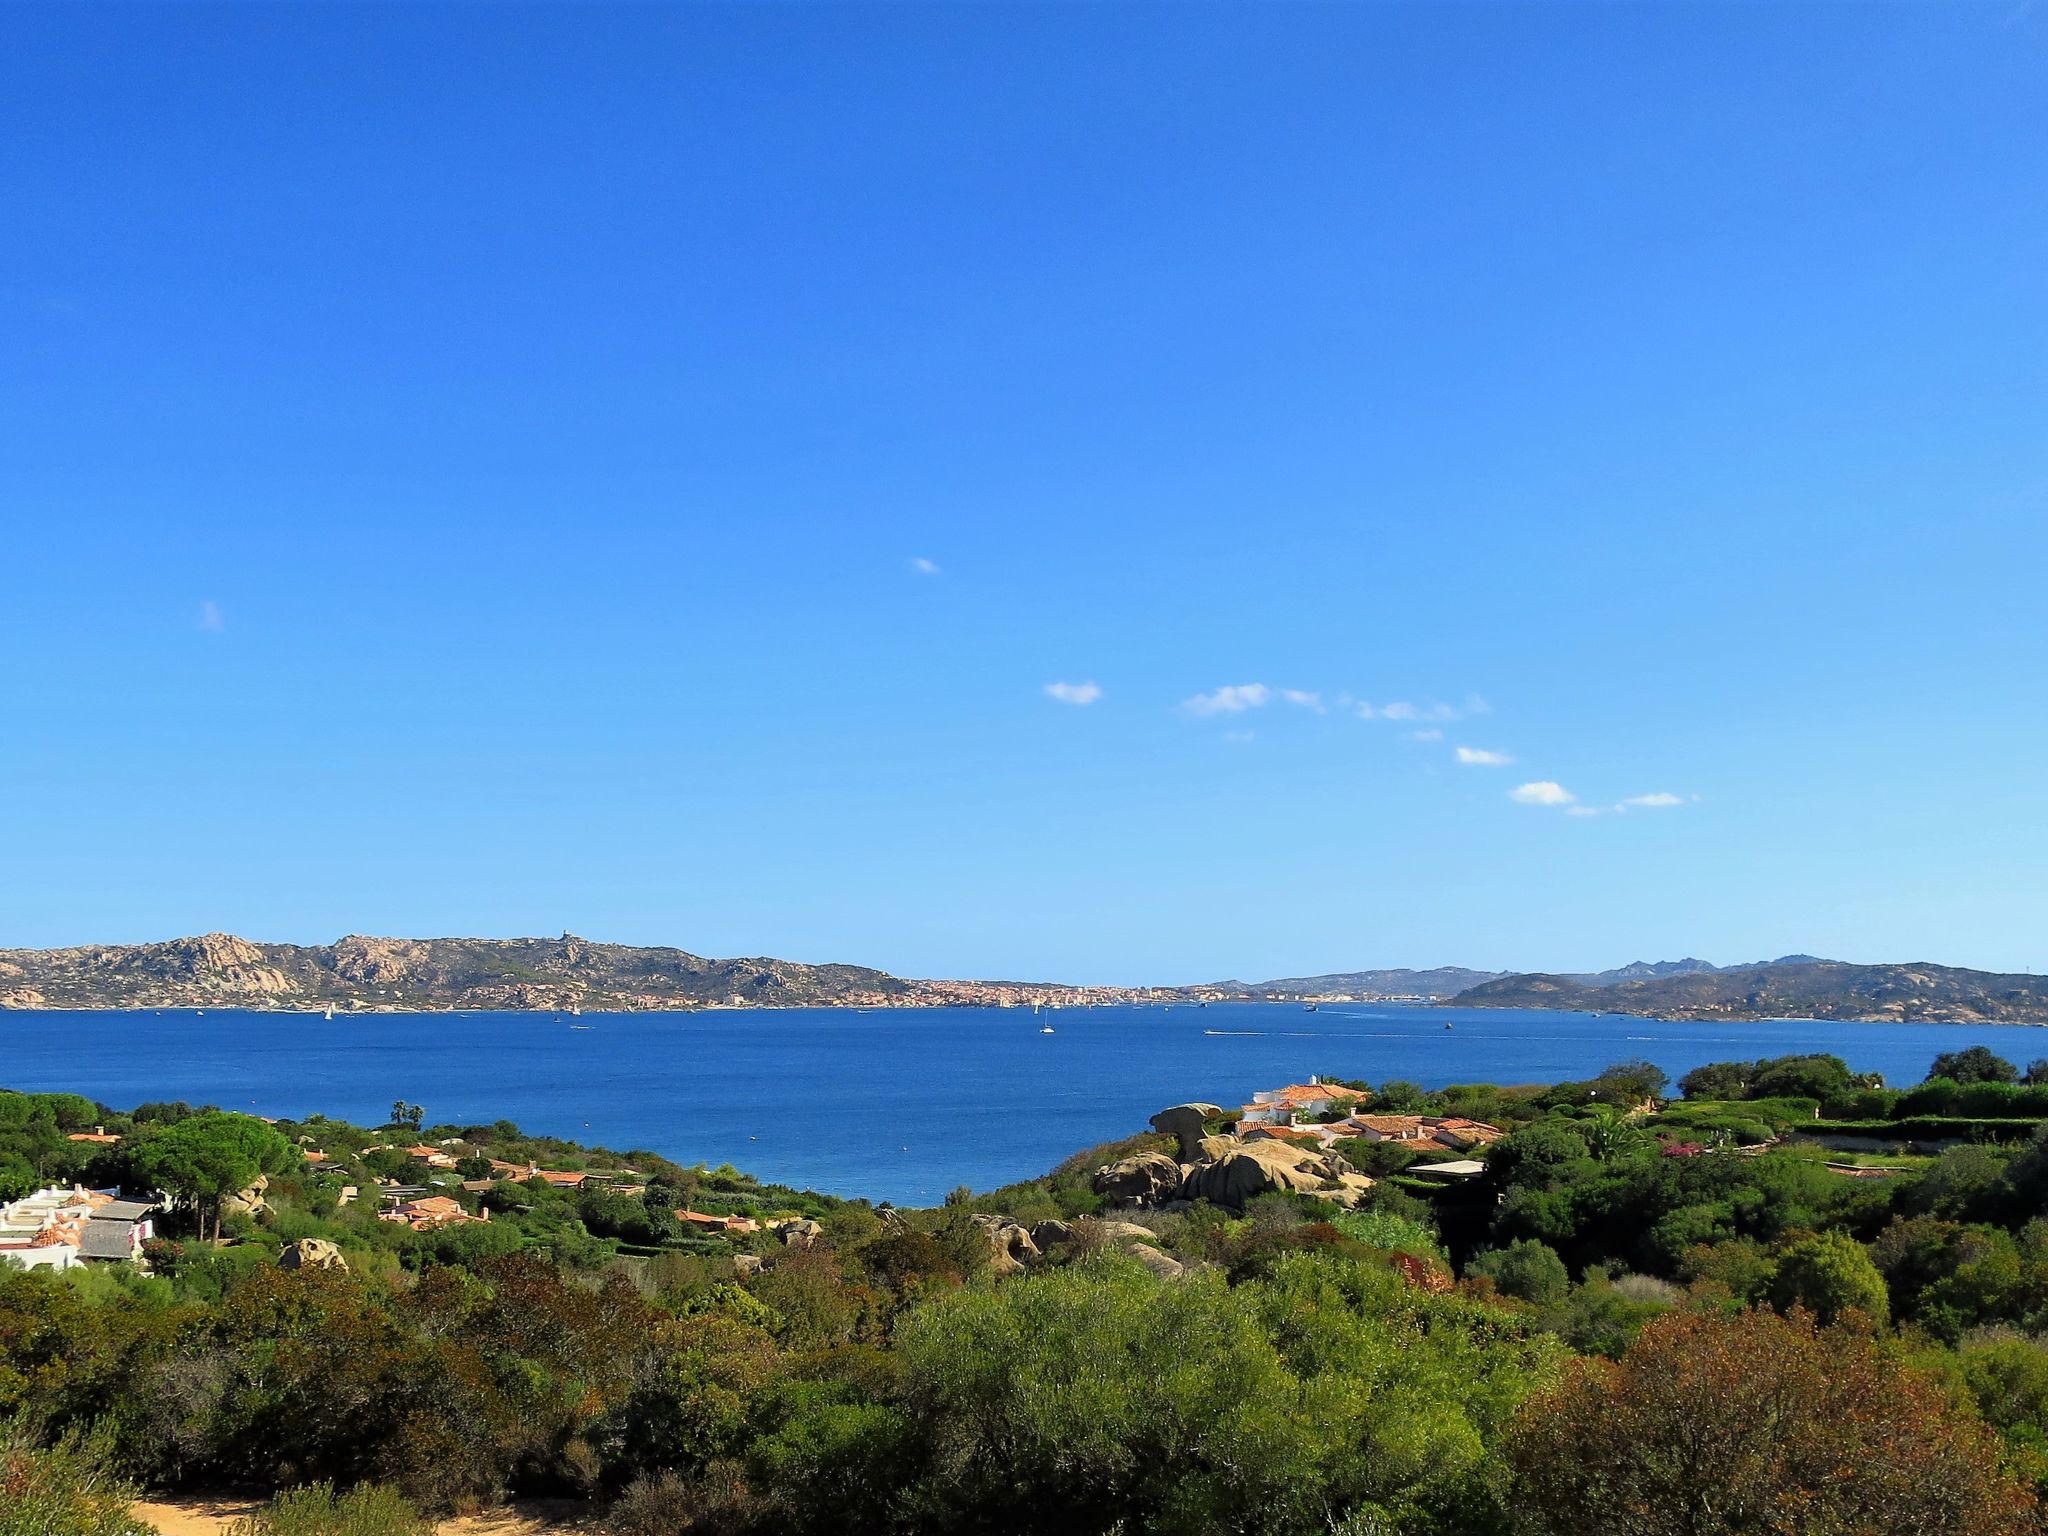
{"type": "Point", "coordinates": [218, 969]}
{"type": "Point", "coordinates": [1826, 989]}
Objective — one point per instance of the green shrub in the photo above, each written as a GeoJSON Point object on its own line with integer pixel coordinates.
{"type": "Point", "coordinates": [63, 1491]}
{"type": "Point", "coordinates": [317, 1510]}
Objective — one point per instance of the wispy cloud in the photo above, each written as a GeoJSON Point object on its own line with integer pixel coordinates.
{"type": "Point", "coordinates": [1074, 693]}
{"type": "Point", "coordinates": [211, 620]}
{"type": "Point", "coordinates": [1303, 699]}
{"type": "Point", "coordinates": [924, 567]}
{"type": "Point", "coordinates": [1542, 792]}
{"type": "Point", "coordinates": [1408, 710]}
{"type": "Point", "coordinates": [1479, 757]}
{"type": "Point", "coordinates": [1231, 699]}
{"type": "Point", "coordinates": [1658, 800]}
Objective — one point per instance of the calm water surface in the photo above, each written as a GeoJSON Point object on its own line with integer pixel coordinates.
{"type": "Point", "coordinates": [897, 1104]}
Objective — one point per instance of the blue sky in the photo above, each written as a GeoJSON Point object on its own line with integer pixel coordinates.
{"type": "Point", "coordinates": [638, 469]}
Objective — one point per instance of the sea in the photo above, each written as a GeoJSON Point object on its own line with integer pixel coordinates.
{"type": "Point", "coordinates": [891, 1104]}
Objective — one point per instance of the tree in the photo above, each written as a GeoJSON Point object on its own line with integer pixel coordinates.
{"type": "Point", "coordinates": [1829, 1274]}
{"type": "Point", "coordinates": [1630, 1082]}
{"type": "Point", "coordinates": [1819, 1077]}
{"type": "Point", "coordinates": [2037, 1073]}
{"type": "Point", "coordinates": [1528, 1270]}
{"type": "Point", "coordinates": [409, 1115]}
{"type": "Point", "coordinates": [1976, 1064]}
{"type": "Point", "coordinates": [1757, 1425]}
{"type": "Point", "coordinates": [1717, 1080]}
{"type": "Point", "coordinates": [210, 1156]}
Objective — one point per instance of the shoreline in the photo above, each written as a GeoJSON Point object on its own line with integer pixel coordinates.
{"type": "Point", "coordinates": [389, 1011]}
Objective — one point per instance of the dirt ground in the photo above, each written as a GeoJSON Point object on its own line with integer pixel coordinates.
{"type": "Point", "coordinates": [211, 1517]}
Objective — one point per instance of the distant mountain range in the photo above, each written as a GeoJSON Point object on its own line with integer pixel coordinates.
{"type": "Point", "coordinates": [355, 973]}
{"type": "Point", "coordinates": [1447, 981]}
{"type": "Point", "coordinates": [1443, 981]}
{"type": "Point", "coordinates": [1797, 987]}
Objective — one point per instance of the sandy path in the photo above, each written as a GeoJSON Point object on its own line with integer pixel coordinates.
{"type": "Point", "coordinates": [211, 1517]}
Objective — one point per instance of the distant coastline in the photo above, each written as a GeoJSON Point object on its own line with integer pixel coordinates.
{"type": "Point", "coordinates": [362, 975]}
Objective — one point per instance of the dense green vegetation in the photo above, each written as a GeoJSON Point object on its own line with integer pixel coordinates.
{"type": "Point", "coordinates": [1645, 1316]}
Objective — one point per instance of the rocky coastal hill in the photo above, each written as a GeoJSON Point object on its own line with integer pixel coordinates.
{"type": "Point", "coordinates": [1796, 988]}
{"type": "Point", "coordinates": [220, 970]}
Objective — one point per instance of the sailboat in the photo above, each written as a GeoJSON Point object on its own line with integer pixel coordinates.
{"type": "Point", "coordinates": [330, 1013]}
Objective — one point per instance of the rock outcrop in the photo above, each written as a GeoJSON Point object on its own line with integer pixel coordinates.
{"type": "Point", "coordinates": [1165, 1267]}
{"type": "Point", "coordinates": [1260, 1168]}
{"type": "Point", "coordinates": [1010, 1247]}
{"type": "Point", "coordinates": [1186, 1123]}
{"type": "Point", "coordinates": [311, 1253]}
{"type": "Point", "coordinates": [1150, 1178]}
{"type": "Point", "coordinates": [800, 1233]}
{"type": "Point", "coordinates": [250, 1201]}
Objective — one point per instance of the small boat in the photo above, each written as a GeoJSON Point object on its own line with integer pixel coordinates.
{"type": "Point", "coordinates": [1308, 1007]}
{"type": "Point", "coordinates": [582, 1026]}
{"type": "Point", "coordinates": [1047, 1030]}
{"type": "Point", "coordinates": [1447, 1023]}
{"type": "Point", "coordinates": [330, 1013]}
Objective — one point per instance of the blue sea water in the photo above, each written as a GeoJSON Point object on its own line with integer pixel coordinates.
{"type": "Point", "coordinates": [896, 1104]}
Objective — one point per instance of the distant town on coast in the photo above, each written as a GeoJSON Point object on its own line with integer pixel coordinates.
{"type": "Point", "coordinates": [571, 974]}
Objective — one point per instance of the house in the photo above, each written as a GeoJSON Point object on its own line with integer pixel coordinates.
{"type": "Point", "coordinates": [56, 1228]}
{"type": "Point", "coordinates": [709, 1222]}
{"type": "Point", "coordinates": [429, 1213]}
{"type": "Point", "coordinates": [559, 1179]}
{"type": "Point", "coordinates": [433, 1157]}
{"type": "Point", "coordinates": [1464, 1168]}
{"type": "Point", "coordinates": [1283, 1106]}
{"type": "Point", "coordinates": [117, 1230]}
{"type": "Point", "coordinates": [1385, 1127]}
{"type": "Point", "coordinates": [1462, 1134]}
{"type": "Point", "coordinates": [97, 1135]}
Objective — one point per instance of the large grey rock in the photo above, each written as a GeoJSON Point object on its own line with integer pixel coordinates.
{"type": "Point", "coordinates": [800, 1233]}
{"type": "Point", "coordinates": [1010, 1247]}
{"type": "Point", "coordinates": [1162, 1265]}
{"type": "Point", "coordinates": [746, 1265]}
{"type": "Point", "coordinates": [1146, 1179]}
{"type": "Point", "coordinates": [1185, 1122]}
{"type": "Point", "coordinates": [1103, 1231]}
{"type": "Point", "coordinates": [1050, 1234]}
{"type": "Point", "coordinates": [311, 1253]}
{"type": "Point", "coordinates": [1260, 1168]}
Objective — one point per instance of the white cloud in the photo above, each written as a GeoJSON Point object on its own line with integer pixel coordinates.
{"type": "Point", "coordinates": [1074, 693]}
{"type": "Point", "coordinates": [211, 620]}
{"type": "Point", "coordinates": [1541, 792]}
{"type": "Point", "coordinates": [1304, 699]}
{"type": "Point", "coordinates": [1404, 709]}
{"type": "Point", "coordinates": [1656, 801]}
{"type": "Point", "coordinates": [1582, 810]}
{"type": "Point", "coordinates": [1430, 733]}
{"type": "Point", "coordinates": [1479, 757]}
{"type": "Point", "coordinates": [924, 567]}
{"type": "Point", "coordinates": [1231, 699]}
